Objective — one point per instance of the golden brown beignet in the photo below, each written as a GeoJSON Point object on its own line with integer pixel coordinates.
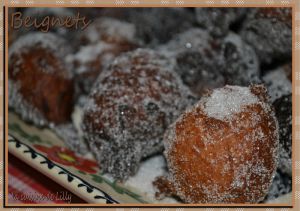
{"type": "Point", "coordinates": [224, 149]}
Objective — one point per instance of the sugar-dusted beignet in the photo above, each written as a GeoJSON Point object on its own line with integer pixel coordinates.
{"type": "Point", "coordinates": [223, 150]}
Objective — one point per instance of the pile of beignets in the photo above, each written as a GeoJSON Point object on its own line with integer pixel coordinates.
{"type": "Point", "coordinates": [210, 88]}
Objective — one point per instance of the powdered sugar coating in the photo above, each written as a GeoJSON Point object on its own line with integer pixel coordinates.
{"type": "Point", "coordinates": [128, 109]}
{"type": "Point", "coordinates": [277, 83]}
{"type": "Point", "coordinates": [240, 61]}
{"type": "Point", "coordinates": [87, 54]}
{"type": "Point", "coordinates": [223, 103]}
{"type": "Point", "coordinates": [22, 107]}
{"type": "Point", "coordinates": [103, 40]}
{"type": "Point", "coordinates": [150, 169]}
{"type": "Point", "coordinates": [216, 161]}
{"type": "Point", "coordinates": [88, 63]}
{"type": "Point", "coordinates": [49, 41]}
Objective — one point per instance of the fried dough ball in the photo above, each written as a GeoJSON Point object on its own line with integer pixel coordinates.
{"type": "Point", "coordinates": [129, 107]}
{"type": "Point", "coordinates": [269, 32]}
{"type": "Point", "coordinates": [197, 58]}
{"type": "Point", "coordinates": [41, 86]}
{"type": "Point", "coordinates": [224, 149]}
{"type": "Point", "coordinates": [240, 61]}
{"type": "Point", "coordinates": [103, 40]}
{"type": "Point", "coordinates": [204, 62]}
{"type": "Point", "coordinates": [40, 83]}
